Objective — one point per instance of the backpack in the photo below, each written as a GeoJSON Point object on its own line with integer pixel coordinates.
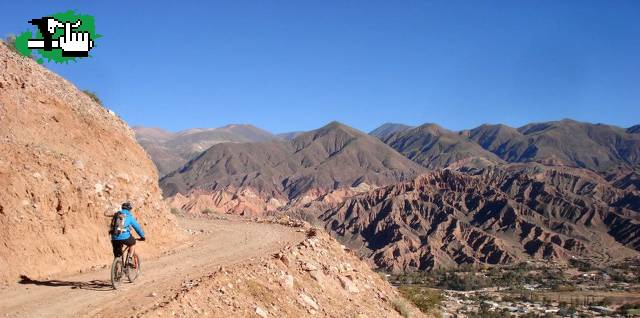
{"type": "Point", "coordinates": [117, 224]}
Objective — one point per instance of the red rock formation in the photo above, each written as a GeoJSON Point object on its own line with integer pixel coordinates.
{"type": "Point", "coordinates": [499, 215]}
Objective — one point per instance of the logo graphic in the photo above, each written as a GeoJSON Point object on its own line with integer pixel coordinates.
{"type": "Point", "coordinates": [60, 37]}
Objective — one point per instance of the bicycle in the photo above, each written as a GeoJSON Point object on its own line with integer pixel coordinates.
{"type": "Point", "coordinates": [121, 267]}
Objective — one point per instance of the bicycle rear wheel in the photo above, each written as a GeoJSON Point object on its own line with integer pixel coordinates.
{"type": "Point", "coordinates": [133, 273]}
{"type": "Point", "coordinates": [117, 272]}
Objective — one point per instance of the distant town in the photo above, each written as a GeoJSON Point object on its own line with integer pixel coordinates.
{"type": "Point", "coordinates": [529, 289]}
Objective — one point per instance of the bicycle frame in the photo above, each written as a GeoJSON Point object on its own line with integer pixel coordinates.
{"type": "Point", "coordinates": [121, 267]}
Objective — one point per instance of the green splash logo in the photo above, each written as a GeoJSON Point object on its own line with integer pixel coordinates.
{"type": "Point", "coordinates": [61, 37]}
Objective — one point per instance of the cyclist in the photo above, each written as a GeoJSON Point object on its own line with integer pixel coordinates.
{"type": "Point", "coordinates": [120, 232]}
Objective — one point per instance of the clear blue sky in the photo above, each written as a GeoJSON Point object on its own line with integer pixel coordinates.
{"type": "Point", "coordinates": [296, 65]}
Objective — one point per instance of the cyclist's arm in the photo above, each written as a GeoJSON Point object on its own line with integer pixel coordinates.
{"type": "Point", "coordinates": [137, 227]}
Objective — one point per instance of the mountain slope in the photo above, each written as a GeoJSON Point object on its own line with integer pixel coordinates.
{"type": "Point", "coordinates": [289, 135]}
{"type": "Point", "coordinates": [624, 178]}
{"type": "Point", "coordinates": [435, 147]}
{"type": "Point", "coordinates": [170, 151]}
{"type": "Point", "coordinates": [567, 142]}
{"type": "Point", "coordinates": [501, 215]}
{"type": "Point", "coordinates": [64, 161]}
{"type": "Point", "coordinates": [634, 129]}
{"type": "Point", "coordinates": [327, 158]}
{"type": "Point", "coordinates": [387, 129]}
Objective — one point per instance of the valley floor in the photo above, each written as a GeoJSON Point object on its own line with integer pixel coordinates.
{"type": "Point", "coordinates": [213, 243]}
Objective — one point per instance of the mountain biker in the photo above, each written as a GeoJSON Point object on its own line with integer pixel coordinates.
{"type": "Point", "coordinates": [123, 236]}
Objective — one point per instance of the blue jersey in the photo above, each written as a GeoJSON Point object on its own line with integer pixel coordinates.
{"type": "Point", "coordinates": [129, 222]}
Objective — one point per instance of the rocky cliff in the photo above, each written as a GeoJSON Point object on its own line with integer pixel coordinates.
{"type": "Point", "coordinates": [64, 161]}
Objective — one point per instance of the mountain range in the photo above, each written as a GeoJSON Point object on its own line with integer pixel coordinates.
{"type": "Point", "coordinates": [435, 147]}
{"type": "Point", "coordinates": [170, 151]}
{"type": "Point", "coordinates": [414, 198]}
{"type": "Point", "coordinates": [328, 158]}
{"type": "Point", "coordinates": [594, 146]}
{"type": "Point", "coordinates": [597, 147]}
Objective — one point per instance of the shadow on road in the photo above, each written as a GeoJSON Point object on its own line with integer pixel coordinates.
{"type": "Point", "coordinates": [99, 285]}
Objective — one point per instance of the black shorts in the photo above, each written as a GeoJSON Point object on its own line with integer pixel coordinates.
{"type": "Point", "coordinates": [117, 245]}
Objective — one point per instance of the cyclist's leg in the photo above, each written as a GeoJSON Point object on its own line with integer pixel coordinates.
{"type": "Point", "coordinates": [117, 248]}
{"type": "Point", "coordinates": [131, 242]}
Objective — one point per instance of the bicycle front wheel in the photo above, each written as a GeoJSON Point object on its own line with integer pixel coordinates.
{"type": "Point", "coordinates": [117, 272]}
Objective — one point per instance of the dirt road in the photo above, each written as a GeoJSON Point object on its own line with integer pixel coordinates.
{"type": "Point", "coordinates": [218, 242]}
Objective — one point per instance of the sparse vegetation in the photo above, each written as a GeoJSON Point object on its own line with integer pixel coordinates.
{"type": "Point", "coordinates": [401, 307]}
{"type": "Point", "coordinates": [581, 265]}
{"type": "Point", "coordinates": [466, 278]}
{"type": "Point", "coordinates": [93, 96]}
{"type": "Point", "coordinates": [206, 211]}
{"type": "Point", "coordinates": [10, 40]}
{"type": "Point", "coordinates": [426, 299]}
{"type": "Point", "coordinates": [176, 211]}
{"type": "Point", "coordinates": [260, 291]}
{"type": "Point", "coordinates": [629, 310]}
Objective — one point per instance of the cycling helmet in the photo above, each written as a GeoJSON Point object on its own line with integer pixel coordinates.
{"type": "Point", "coordinates": [126, 206]}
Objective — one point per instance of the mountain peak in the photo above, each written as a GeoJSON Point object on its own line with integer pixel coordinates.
{"type": "Point", "coordinates": [236, 126]}
{"type": "Point", "coordinates": [336, 125]}
{"type": "Point", "coordinates": [434, 129]}
{"type": "Point", "coordinates": [387, 129]}
{"type": "Point", "coordinates": [332, 127]}
{"type": "Point", "coordinates": [330, 157]}
{"type": "Point", "coordinates": [634, 129]}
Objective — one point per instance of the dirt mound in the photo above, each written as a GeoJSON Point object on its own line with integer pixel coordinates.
{"type": "Point", "coordinates": [497, 215]}
{"type": "Point", "coordinates": [316, 277]}
{"type": "Point", "coordinates": [65, 160]}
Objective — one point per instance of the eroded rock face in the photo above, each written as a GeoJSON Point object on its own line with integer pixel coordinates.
{"type": "Point", "coordinates": [240, 202]}
{"type": "Point", "coordinates": [495, 215]}
{"type": "Point", "coordinates": [624, 178]}
{"type": "Point", "coordinates": [249, 202]}
{"type": "Point", "coordinates": [64, 161]}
